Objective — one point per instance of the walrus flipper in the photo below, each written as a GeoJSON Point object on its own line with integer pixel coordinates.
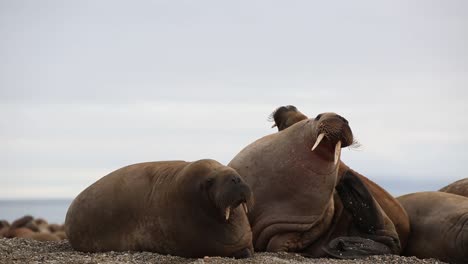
{"type": "Point", "coordinates": [358, 201]}
{"type": "Point", "coordinates": [355, 247]}
{"type": "Point", "coordinates": [373, 239]}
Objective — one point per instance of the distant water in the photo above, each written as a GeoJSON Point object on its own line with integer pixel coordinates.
{"type": "Point", "coordinates": [53, 211]}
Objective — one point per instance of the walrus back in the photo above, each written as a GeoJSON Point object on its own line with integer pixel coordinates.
{"type": "Point", "coordinates": [111, 214]}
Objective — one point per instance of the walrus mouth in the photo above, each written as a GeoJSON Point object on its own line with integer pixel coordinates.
{"type": "Point", "coordinates": [336, 131]}
{"type": "Point", "coordinates": [337, 147]}
{"type": "Point", "coordinates": [227, 211]}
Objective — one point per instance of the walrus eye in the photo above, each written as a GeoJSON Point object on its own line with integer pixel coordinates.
{"type": "Point", "coordinates": [207, 183]}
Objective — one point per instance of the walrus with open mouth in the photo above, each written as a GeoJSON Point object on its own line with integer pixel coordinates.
{"type": "Point", "coordinates": [188, 209]}
{"type": "Point", "coordinates": [301, 204]}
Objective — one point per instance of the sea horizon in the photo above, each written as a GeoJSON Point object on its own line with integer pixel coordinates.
{"type": "Point", "coordinates": [53, 210]}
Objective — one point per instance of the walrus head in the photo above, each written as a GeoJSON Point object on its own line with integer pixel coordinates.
{"type": "Point", "coordinates": [227, 191]}
{"type": "Point", "coordinates": [332, 132]}
{"type": "Point", "coordinates": [286, 116]}
{"type": "Point", "coordinates": [21, 222]}
{"type": "Point", "coordinates": [219, 202]}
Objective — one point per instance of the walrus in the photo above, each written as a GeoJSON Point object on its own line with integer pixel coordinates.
{"type": "Point", "coordinates": [285, 116]}
{"type": "Point", "coordinates": [188, 209]}
{"type": "Point", "coordinates": [4, 226]}
{"type": "Point", "coordinates": [23, 228]}
{"type": "Point", "coordinates": [60, 234]}
{"type": "Point", "coordinates": [459, 187]}
{"type": "Point", "coordinates": [439, 226]}
{"type": "Point", "coordinates": [300, 203]}
{"type": "Point", "coordinates": [56, 228]}
{"type": "Point", "coordinates": [41, 224]}
{"type": "Point", "coordinates": [24, 232]}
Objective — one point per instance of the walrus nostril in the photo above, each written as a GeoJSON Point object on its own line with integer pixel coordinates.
{"type": "Point", "coordinates": [235, 179]}
{"type": "Point", "coordinates": [318, 117]}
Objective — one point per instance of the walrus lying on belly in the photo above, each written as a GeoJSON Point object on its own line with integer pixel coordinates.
{"type": "Point", "coordinates": [189, 209]}
{"type": "Point", "coordinates": [459, 187]}
{"type": "Point", "coordinates": [439, 226]}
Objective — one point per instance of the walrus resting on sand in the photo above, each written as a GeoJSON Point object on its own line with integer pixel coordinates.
{"type": "Point", "coordinates": [25, 227]}
{"type": "Point", "coordinates": [300, 203]}
{"type": "Point", "coordinates": [459, 187]}
{"type": "Point", "coordinates": [286, 116]}
{"type": "Point", "coordinates": [188, 209]}
{"type": "Point", "coordinates": [439, 226]}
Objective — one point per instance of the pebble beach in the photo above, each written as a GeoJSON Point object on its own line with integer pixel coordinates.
{"type": "Point", "coordinates": [18, 250]}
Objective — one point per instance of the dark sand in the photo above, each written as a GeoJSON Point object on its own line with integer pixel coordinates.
{"type": "Point", "coordinates": [29, 251]}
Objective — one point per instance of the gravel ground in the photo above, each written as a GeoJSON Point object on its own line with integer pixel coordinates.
{"type": "Point", "coordinates": [18, 250]}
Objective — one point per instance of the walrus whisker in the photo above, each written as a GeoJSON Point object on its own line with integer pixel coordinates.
{"type": "Point", "coordinates": [355, 145]}
{"type": "Point", "coordinates": [317, 142]}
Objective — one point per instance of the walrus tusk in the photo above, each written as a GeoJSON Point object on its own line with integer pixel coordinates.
{"type": "Point", "coordinates": [337, 152]}
{"type": "Point", "coordinates": [244, 205]}
{"type": "Point", "coordinates": [227, 213]}
{"type": "Point", "coordinates": [317, 142]}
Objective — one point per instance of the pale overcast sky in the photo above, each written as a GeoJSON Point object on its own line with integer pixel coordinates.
{"type": "Point", "coordinates": [87, 87]}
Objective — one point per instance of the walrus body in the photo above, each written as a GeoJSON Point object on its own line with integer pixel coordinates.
{"type": "Point", "coordinates": [4, 227]}
{"type": "Point", "coordinates": [286, 116]}
{"type": "Point", "coordinates": [439, 226]}
{"type": "Point", "coordinates": [459, 187]}
{"type": "Point", "coordinates": [24, 232]}
{"type": "Point", "coordinates": [297, 208]}
{"type": "Point", "coordinates": [26, 227]}
{"type": "Point", "coordinates": [173, 207]}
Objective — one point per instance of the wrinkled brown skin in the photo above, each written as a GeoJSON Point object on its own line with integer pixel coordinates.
{"type": "Point", "coordinates": [439, 226]}
{"type": "Point", "coordinates": [296, 206]}
{"type": "Point", "coordinates": [286, 116]}
{"type": "Point", "coordinates": [169, 207]}
{"type": "Point", "coordinates": [459, 187]}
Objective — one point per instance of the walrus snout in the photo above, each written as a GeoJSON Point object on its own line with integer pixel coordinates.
{"type": "Point", "coordinates": [334, 128]}
{"type": "Point", "coordinates": [234, 193]}
{"type": "Point", "coordinates": [334, 131]}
